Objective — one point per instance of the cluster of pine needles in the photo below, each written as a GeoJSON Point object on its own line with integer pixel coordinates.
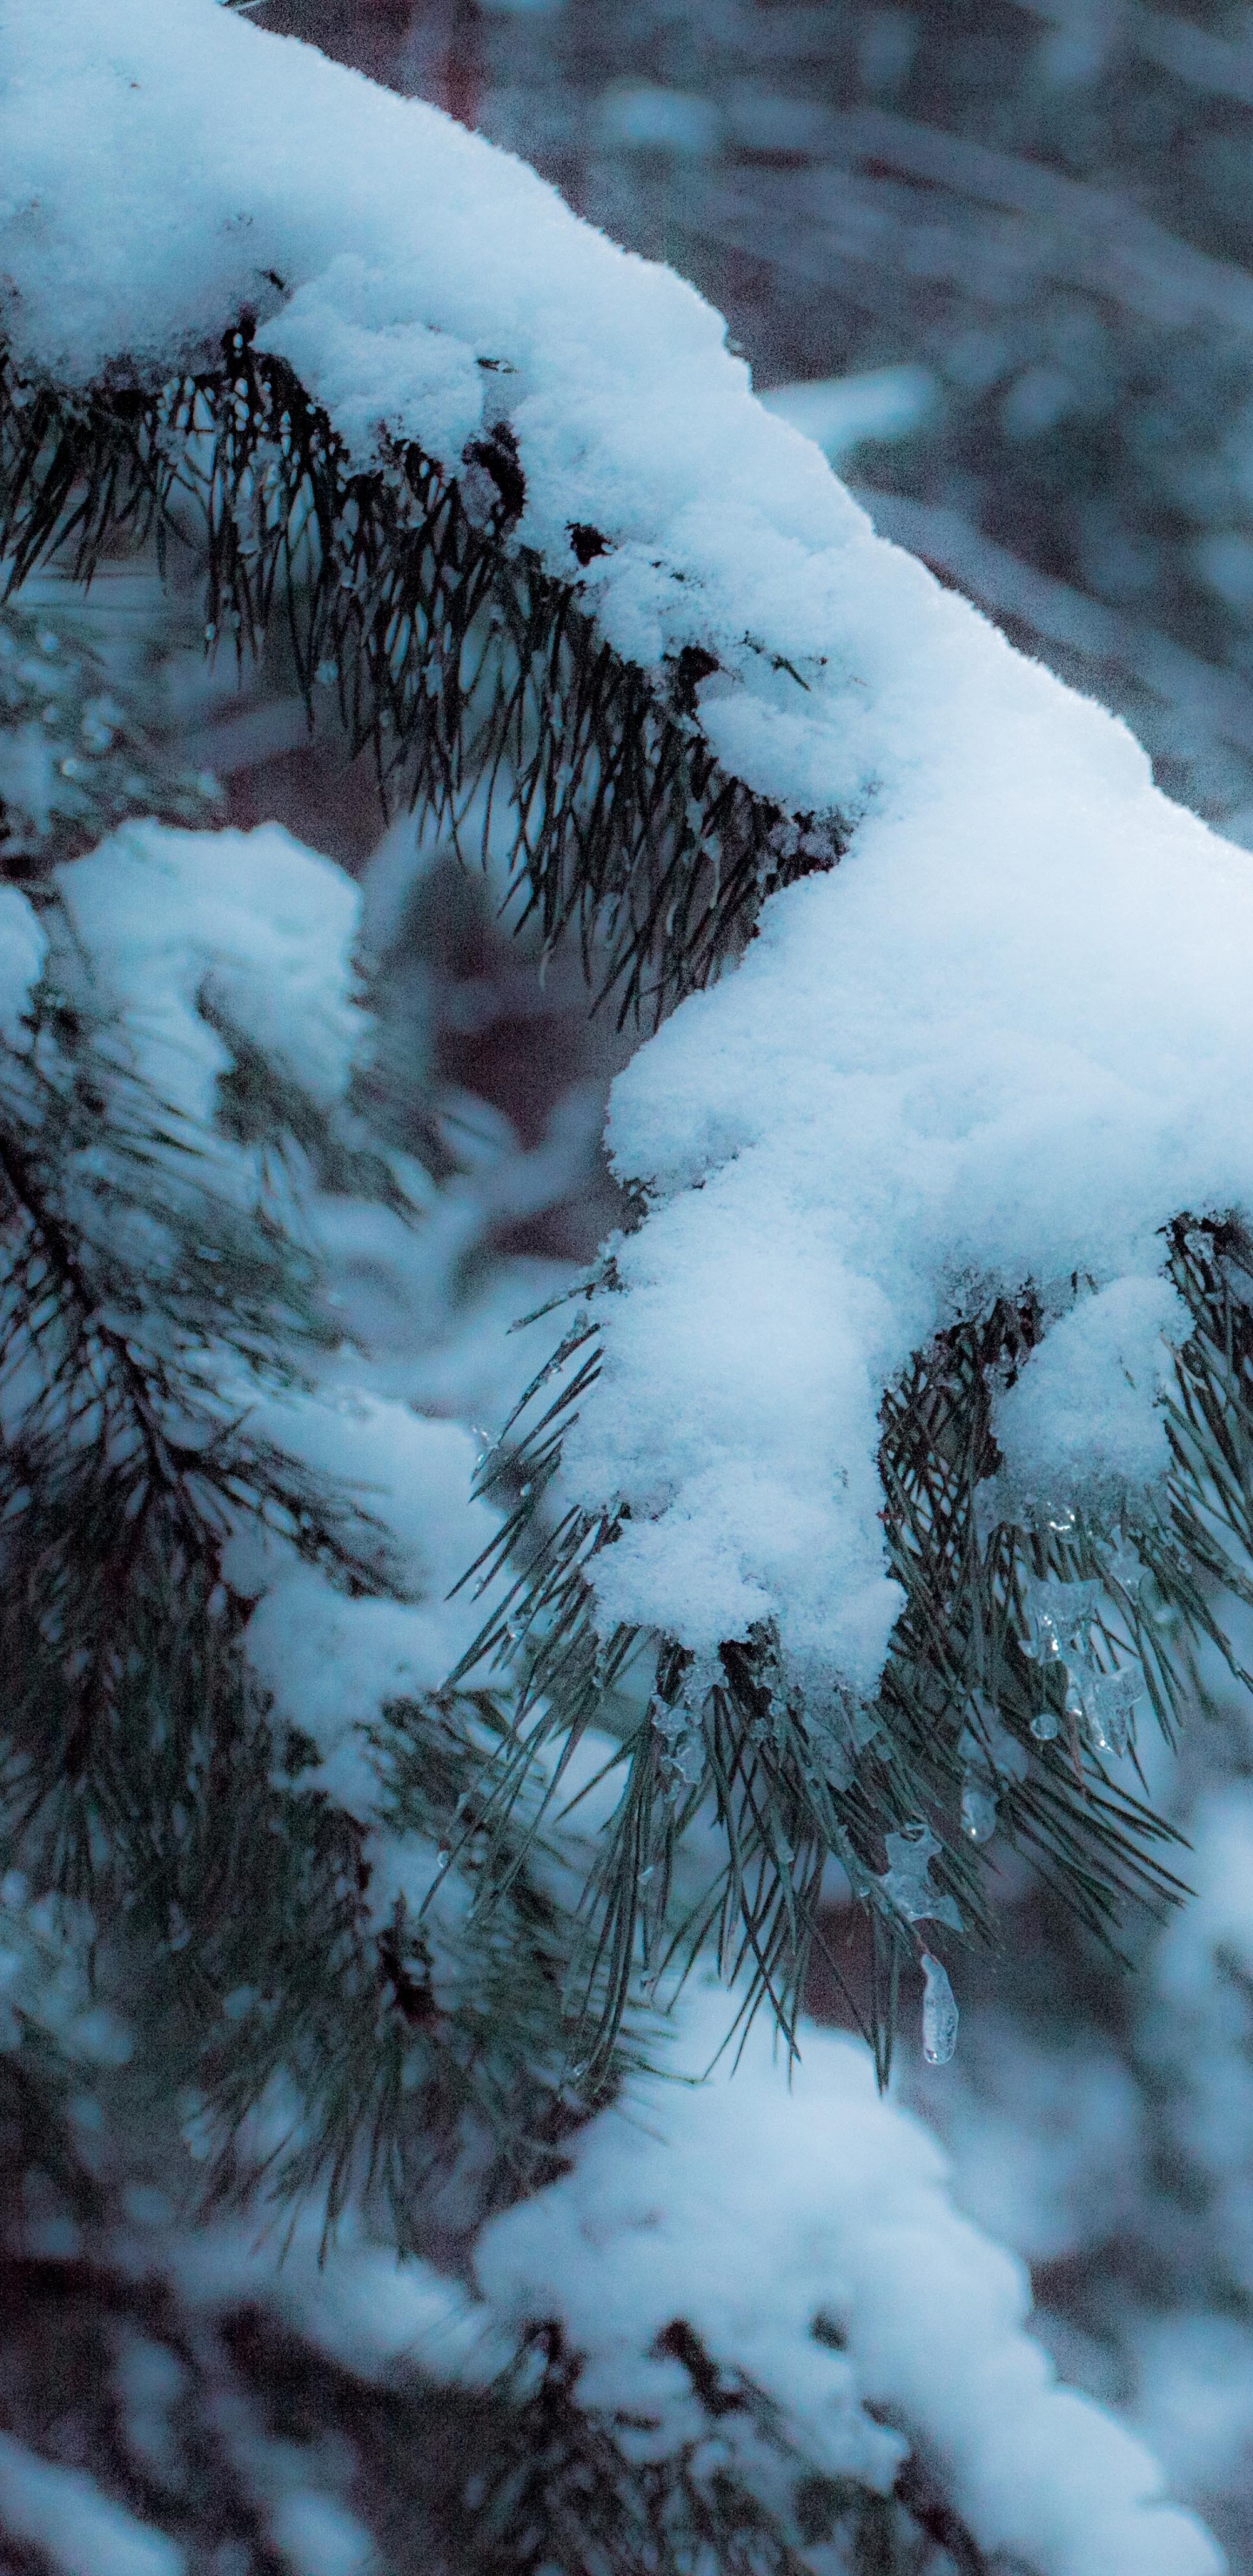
{"type": "Point", "coordinates": [478, 682]}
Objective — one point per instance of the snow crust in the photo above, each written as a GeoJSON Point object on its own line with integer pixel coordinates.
{"type": "Point", "coordinates": [1006, 1040]}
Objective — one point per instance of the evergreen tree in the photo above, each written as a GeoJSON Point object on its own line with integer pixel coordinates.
{"type": "Point", "coordinates": [376, 1902]}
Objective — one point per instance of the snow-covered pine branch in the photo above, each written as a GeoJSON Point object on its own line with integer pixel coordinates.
{"type": "Point", "coordinates": [537, 530]}
{"type": "Point", "coordinates": [914, 1410]}
{"type": "Point", "coordinates": [649, 2371]}
{"type": "Point", "coordinates": [182, 1501]}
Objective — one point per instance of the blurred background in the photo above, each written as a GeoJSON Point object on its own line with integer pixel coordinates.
{"type": "Point", "coordinates": [996, 256]}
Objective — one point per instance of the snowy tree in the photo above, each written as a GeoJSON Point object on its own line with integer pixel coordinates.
{"type": "Point", "coordinates": [394, 1834]}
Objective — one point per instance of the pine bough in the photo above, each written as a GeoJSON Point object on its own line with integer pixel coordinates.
{"type": "Point", "coordinates": [907, 1431]}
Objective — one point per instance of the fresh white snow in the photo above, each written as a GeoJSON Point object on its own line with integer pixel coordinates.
{"type": "Point", "coordinates": [250, 928]}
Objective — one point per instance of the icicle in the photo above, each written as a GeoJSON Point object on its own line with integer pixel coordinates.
{"type": "Point", "coordinates": [1061, 1614]}
{"type": "Point", "coordinates": [939, 2013]}
{"type": "Point", "coordinates": [990, 1756]}
{"type": "Point", "coordinates": [1123, 1567]}
{"type": "Point", "coordinates": [1041, 1645]}
{"type": "Point", "coordinates": [1110, 1701]}
{"type": "Point", "coordinates": [683, 1757]}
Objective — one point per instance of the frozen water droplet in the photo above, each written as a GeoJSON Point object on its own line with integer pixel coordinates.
{"type": "Point", "coordinates": [1111, 1700]}
{"type": "Point", "coordinates": [978, 1812]}
{"type": "Point", "coordinates": [1060, 1612]}
{"type": "Point", "coordinates": [939, 2013]}
{"type": "Point", "coordinates": [906, 1882]}
{"type": "Point", "coordinates": [1044, 1725]}
{"type": "Point", "coordinates": [1124, 1567]}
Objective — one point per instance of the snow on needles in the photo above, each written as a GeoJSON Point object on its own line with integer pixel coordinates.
{"type": "Point", "coordinates": [1007, 1039]}
{"type": "Point", "coordinates": [249, 929]}
{"type": "Point", "coordinates": [663, 2216]}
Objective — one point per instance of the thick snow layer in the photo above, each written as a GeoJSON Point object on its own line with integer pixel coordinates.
{"type": "Point", "coordinates": [663, 2216]}
{"type": "Point", "coordinates": [1006, 1040]}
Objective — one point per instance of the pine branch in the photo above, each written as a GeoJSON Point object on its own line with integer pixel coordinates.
{"type": "Point", "coordinates": [560, 2490]}
{"type": "Point", "coordinates": [963, 1693]}
{"type": "Point", "coordinates": [402, 2042]}
{"type": "Point", "coordinates": [497, 2482]}
{"type": "Point", "coordinates": [476, 678]}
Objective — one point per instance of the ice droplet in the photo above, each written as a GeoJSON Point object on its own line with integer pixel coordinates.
{"type": "Point", "coordinates": [939, 2013]}
{"type": "Point", "coordinates": [1044, 1725]}
{"type": "Point", "coordinates": [1125, 1568]}
{"type": "Point", "coordinates": [978, 1812]}
{"type": "Point", "coordinates": [906, 1882]}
